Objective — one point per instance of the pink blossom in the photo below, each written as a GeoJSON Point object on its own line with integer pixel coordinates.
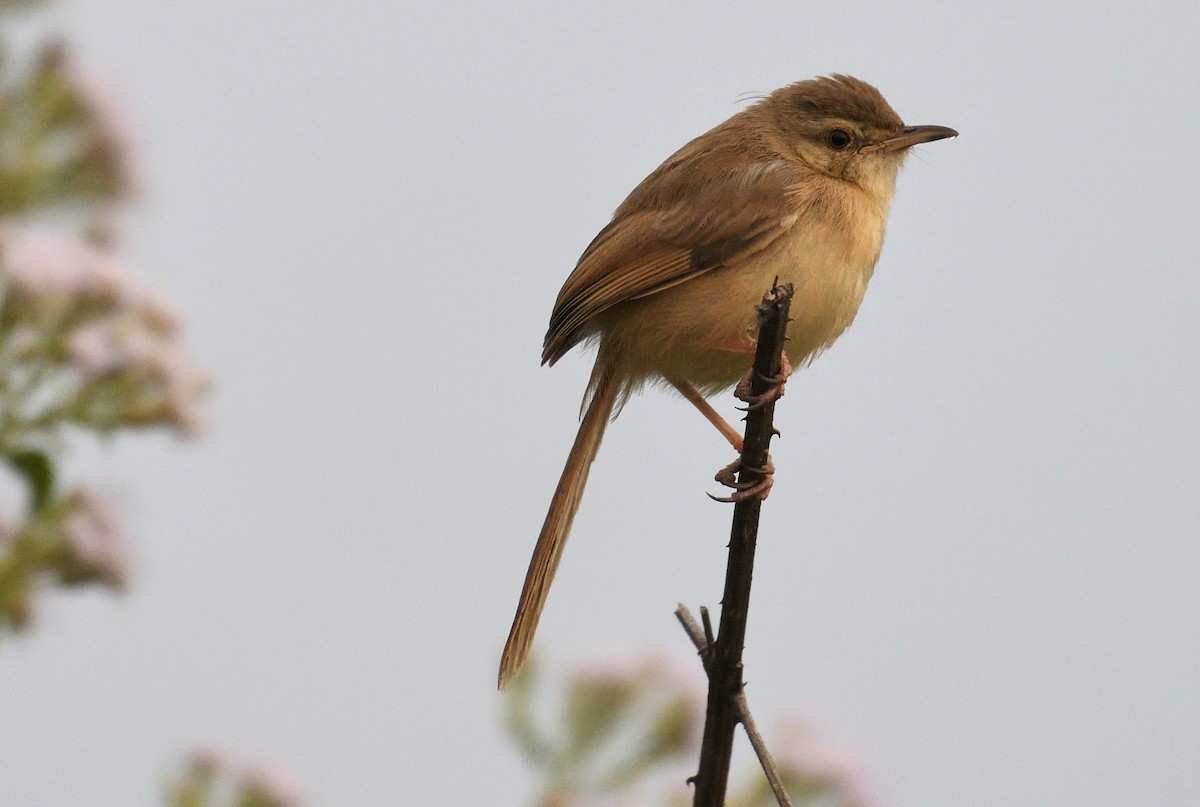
{"type": "Point", "coordinates": [802, 754]}
{"type": "Point", "coordinates": [670, 689]}
{"type": "Point", "coordinates": [170, 387]}
{"type": "Point", "coordinates": [185, 385]}
{"type": "Point", "coordinates": [267, 781]}
{"type": "Point", "coordinates": [612, 669]}
{"type": "Point", "coordinates": [209, 761]}
{"type": "Point", "coordinates": [95, 539]}
{"type": "Point", "coordinates": [112, 119]}
{"type": "Point", "coordinates": [274, 786]}
{"type": "Point", "coordinates": [112, 345]}
{"type": "Point", "coordinates": [158, 313]}
{"type": "Point", "coordinates": [119, 331]}
{"type": "Point", "coordinates": [90, 349]}
{"type": "Point", "coordinates": [47, 267]}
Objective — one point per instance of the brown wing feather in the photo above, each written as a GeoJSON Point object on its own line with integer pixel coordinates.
{"type": "Point", "coordinates": [733, 214]}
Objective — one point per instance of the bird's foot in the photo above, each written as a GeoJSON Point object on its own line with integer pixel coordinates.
{"type": "Point", "coordinates": [773, 392]}
{"type": "Point", "coordinates": [745, 491]}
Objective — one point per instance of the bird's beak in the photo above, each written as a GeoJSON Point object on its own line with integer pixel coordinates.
{"type": "Point", "coordinates": [914, 135]}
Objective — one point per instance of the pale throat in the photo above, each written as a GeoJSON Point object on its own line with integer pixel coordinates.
{"type": "Point", "coordinates": [878, 179]}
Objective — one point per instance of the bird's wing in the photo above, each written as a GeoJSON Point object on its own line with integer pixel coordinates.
{"type": "Point", "coordinates": [730, 216]}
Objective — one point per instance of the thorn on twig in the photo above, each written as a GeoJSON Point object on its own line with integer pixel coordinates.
{"type": "Point", "coordinates": [723, 655]}
{"type": "Point", "coordinates": [741, 706]}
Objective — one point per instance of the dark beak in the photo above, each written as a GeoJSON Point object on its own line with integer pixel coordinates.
{"type": "Point", "coordinates": [915, 135]}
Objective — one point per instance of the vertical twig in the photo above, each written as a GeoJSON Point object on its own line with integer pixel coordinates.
{"type": "Point", "coordinates": [703, 643]}
{"type": "Point", "coordinates": [724, 662]}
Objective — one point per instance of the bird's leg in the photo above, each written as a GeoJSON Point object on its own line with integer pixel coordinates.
{"type": "Point", "coordinates": [746, 347]}
{"type": "Point", "coordinates": [773, 393]}
{"type": "Point", "coordinates": [727, 476]}
{"type": "Point", "coordinates": [711, 415]}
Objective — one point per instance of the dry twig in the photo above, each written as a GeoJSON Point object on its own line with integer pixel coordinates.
{"type": "Point", "coordinates": [723, 658]}
{"type": "Point", "coordinates": [696, 633]}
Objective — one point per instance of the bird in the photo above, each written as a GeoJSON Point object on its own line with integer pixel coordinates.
{"type": "Point", "coordinates": [795, 188]}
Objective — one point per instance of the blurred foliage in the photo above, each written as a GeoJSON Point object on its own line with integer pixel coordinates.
{"type": "Point", "coordinates": [62, 149]}
{"type": "Point", "coordinates": [18, 5]}
{"type": "Point", "coordinates": [82, 347]}
{"type": "Point", "coordinates": [631, 735]}
{"type": "Point", "coordinates": [616, 727]}
{"type": "Point", "coordinates": [210, 781]}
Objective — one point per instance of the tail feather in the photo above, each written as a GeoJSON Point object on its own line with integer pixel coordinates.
{"type": "Point", "coordinates": [557, 526]}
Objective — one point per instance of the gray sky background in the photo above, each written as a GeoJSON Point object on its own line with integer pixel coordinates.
{"type": "Point", "coordinates": [978, 568]}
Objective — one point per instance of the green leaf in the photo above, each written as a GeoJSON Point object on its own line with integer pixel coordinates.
{"type": "Point", "coordinates": [38, 472]}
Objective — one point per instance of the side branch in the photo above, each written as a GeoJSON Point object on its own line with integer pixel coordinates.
{"type": "Point", "coordinates": [696, 634]}
{"type": "Point", "coordinates": [723, 660]}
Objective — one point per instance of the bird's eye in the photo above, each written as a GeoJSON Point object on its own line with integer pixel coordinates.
{"type": "Point", "coordinates": [838, 139]}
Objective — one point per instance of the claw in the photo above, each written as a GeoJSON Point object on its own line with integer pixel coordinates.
{"type": "Point", "coordinates": [760, 491]}
{"type": "Point", "coordinates": [727, 476]}
{"type": "Point", "coordinates": [744, 491]}
{"type": "Point", "coordinates": [774, 390]}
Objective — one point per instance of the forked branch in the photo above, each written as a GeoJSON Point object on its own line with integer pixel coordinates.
{"type": "Point", "coordinates": [723, 658]}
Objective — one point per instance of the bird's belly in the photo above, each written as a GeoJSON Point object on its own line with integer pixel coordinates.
{"type": "Point", "coordinates": [703, 329]}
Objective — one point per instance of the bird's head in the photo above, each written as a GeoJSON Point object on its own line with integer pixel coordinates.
{"type": "Point", "coordinates": [843, 127]}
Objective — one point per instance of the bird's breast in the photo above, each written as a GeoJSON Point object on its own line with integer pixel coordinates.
{"type": "Point", "coordinates": [702, 330]}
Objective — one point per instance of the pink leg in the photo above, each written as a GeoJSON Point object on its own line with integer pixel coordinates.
{"type": "Point", "coordinates": [711, 415]}
{"type": "Point", "coordinates": [728, 475]}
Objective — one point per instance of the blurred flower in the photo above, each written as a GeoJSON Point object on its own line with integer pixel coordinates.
{"type": "Point", "coordinates": [213, 777]}
{"type": "Point", "coordinates": [94, 539]}
{"type": "Point", "coordinates": [80, 344]}
{"type": "Point", "coordinates": [158, 313]}
{"type": "Point", "coordinates": [112, 143]}
{"type": "Point", "coordinates": [630, 733]}
{"type": "Point", "coordinates": [95, 349]}
{"type": "Point", "coordinates": [184, 387]}
{"type": "Point", "coordinates": [208, 762]}
{"type": "Point", "coordinates": [94, 141]}
{"type": "Point", "coordinates": [64, 149]}
{"type": "Point", "coordinates": [66, 299]}
{"type": "Point", "coordinates": [623, 721]}
{"type": "Point", "coordinates": [127, 345]}
{"type": "Point", "coordinates": [49, 270]}
{"type": "Point", "coordinates": [810, 766]}
{"type": "Point", "coordinates": [271, 787]}
{"type": "Point", "coordinates": [71, 540]}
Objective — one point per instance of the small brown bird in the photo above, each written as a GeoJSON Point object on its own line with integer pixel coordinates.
{"type": "Point", "coordinates": [795, 187]}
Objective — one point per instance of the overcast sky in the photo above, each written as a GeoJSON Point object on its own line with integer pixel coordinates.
{"type": "Point", "coordinates": [977, 570]}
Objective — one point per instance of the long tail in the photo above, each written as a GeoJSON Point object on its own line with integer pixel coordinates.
{"type": "Point", "coordinates": [557, 526]}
